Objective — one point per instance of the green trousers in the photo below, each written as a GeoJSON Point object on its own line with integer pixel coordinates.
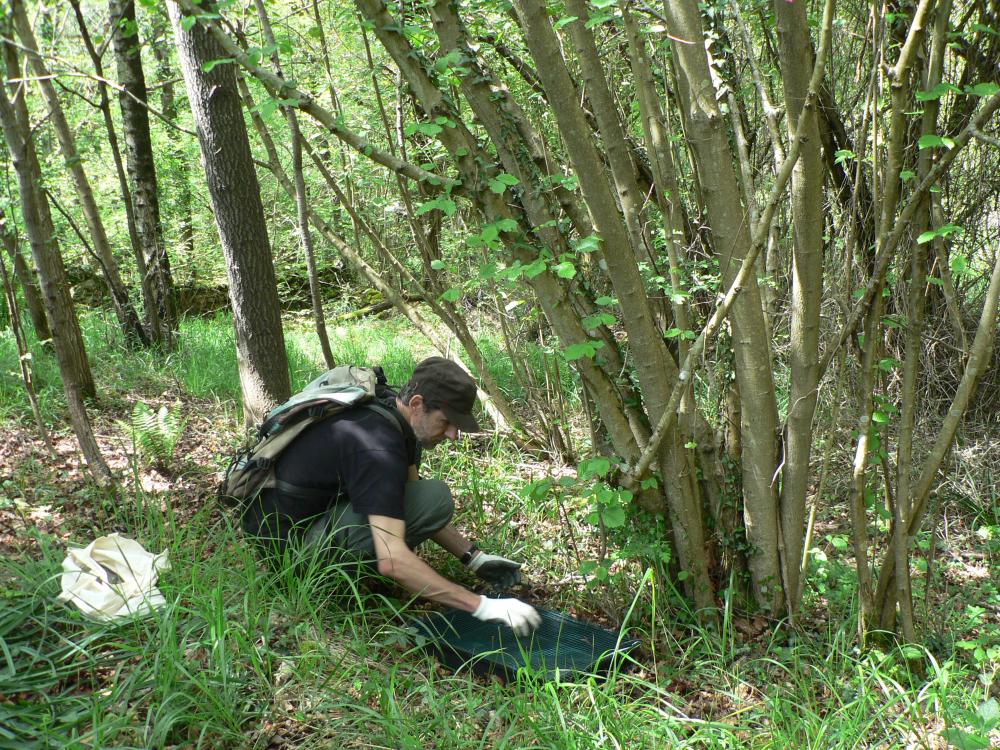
{"type": "Point", "coordinates": [346, 534]}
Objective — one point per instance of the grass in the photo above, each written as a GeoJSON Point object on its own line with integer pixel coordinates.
{"type": "Point", "coordinates": [241, 658]}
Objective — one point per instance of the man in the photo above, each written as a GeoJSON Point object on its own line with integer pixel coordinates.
{"type": "Point", "coordinates": [349, 484]}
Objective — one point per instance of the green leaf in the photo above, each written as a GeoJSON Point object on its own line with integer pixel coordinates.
{"type": "Point", "coordinates": [534, 268]}
{"type": "Point", "coordinates": [564, 21]}
{"type": "Point", "coordinates": [188, 22]}
{"type": "Point", "coordinates": [613, 517]}
{"type": "Point", "coordinates": [593, 467]}
{"type": "Point", "coordinates": [587, 244]}
{"type": "Point", "coordinates": [839, 542]}
{"type": "Point", "coordinates": [935, 281]}
{"type": "Point", "coordinates": [683, 575]}
{"type": "Point", "coordinates": [965, 741]}
{"type": "Point", "coordinates": [907, 174]}
{"type": "Point", "coordinates": [606, 301]}
{"type": "Point", "coordinates": [942, 231]}
{"type": "Point", "coordinates": [937, 92]}
{"type": "Point", "coordinates": [437, 265]}
{"type": "Point", "coordinates": [842, 155]}
{"type": "Point", "coordinates": [959, 264]}
{"type": "Point", "coordinates": [444, 205]}
{"type": "Point", "coordinates": [598, 19]}
{"type": "Point", "coordinates": [648, 484]}
{"type": "Point", "coordinates": [691, 444]}
{"type": "Point", "coordinates": [988, 714]}
{"type": "Point", "coordinates": [982, 89]}
{"type": "Point", "coordinates": [935, 141]}
{"type": "Point", "coordinates": [583, 349]}
{"type": "Point", "coordinates": [502, 181]}
{"type": "Point", "coordinates": [888, 364]}
{"type": "Point", "coordinates": [682, 332]}
{"type": "Point", "coordinates": [596, 320]}
{"type": "Point", "coordinates": [452, 295]}
{"type": "Point", "coordinates": [565, 270]}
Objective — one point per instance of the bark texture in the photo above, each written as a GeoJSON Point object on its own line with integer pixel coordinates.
{"type": "Point", "coordinates": [157, 282]}
{"type": "Point", "coordinates": [727, 217]}
{"type": "Point", "coordinates": [795, 53]}
{"type": "Point", "coordinates": [71, 355]}
{"type": "Point", "coordinates": [27, 278]}
{"type": "Point", "coordinates": [239, 216]}
{"type": "Point", "coordinates": [124, 308]}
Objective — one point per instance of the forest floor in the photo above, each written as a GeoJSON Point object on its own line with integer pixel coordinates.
{"type": "Point", "coordinates": [238, 659]}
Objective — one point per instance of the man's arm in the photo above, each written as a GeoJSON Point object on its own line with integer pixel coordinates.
{"type": "Point", "coordinates": [452, 540]}
{"type": "Point", "coordinates": [399, 562]}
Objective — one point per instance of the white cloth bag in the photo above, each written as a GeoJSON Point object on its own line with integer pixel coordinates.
{"type": "Point", "coordinates": [113, 577]}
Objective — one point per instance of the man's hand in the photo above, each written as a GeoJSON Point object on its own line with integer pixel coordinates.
{"type": "Point", "coordinates": [496, 570]}
{"type": "Point", "coordinates": [523, 618]}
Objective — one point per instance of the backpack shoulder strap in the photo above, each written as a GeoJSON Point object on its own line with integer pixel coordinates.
{"type": "Point", "coordinates": [392, 415]}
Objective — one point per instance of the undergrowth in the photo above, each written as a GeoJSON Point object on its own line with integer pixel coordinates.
{"type": "Point", "coordinates": [241, 657]}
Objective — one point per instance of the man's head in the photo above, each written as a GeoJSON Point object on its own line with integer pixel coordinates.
{"type": "Point", "coordinates": [438, 401]}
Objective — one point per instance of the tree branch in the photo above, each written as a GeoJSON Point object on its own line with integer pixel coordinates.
{"type": "Point", "coordinates": [299, 99]}
{"type": "Point", "coordinates": [759, 235]}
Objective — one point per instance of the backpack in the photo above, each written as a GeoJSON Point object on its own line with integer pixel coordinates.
{"type": "Point", "coordinates": [252, 469]}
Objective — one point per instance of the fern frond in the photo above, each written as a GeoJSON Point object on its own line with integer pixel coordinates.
{"type": "Point", "coordinates": [156, 433]}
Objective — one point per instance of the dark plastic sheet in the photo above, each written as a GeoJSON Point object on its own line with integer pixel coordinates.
{"type": "Point", "coordinates": [561, 644]}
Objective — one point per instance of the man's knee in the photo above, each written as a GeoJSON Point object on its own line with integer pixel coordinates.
{"type": "Point", "coordinates": [429, 508]}
{"type": "Point", "coordinates": [442, 504]}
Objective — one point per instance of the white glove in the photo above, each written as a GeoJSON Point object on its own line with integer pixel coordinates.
{"type": "Point", "coordinates": [496, 570]}
{"type": "Point", "coordinates": [523, 618]}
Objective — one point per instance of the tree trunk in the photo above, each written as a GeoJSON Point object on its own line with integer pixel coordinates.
{"type": "Point", "coordinates": [23, 353]}
{"type": "Point", "coordinates": [551, 293]}
{"type": "Point", "coordinates": [239, 215]}
{"type": "Point", "coordinates": [104, 104]}
{"type": "Point", "coordinates": [709, 144]}
{"type": "Point", "coordinates": [28, 280]}
{"type": "Point", "coordinates": [181, 185]}
{"type": "Point", "coordinates": [916, 305]}
{"type": "Point", "coordinates": [301, 199]}
{"type": "Point", "coordinates": [621, 250]}
{"type": "Point", "coordinates": [67, 340]}
{"type": "Point", "coordinates": [157, 283]}
{"type": "Point", "coordinates": [795, 54]}
{"type": "Point", "coordinates": [124, 309]}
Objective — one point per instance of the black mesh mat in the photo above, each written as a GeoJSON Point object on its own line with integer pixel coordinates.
{"type": "Point", "coordinates": [560, 644]}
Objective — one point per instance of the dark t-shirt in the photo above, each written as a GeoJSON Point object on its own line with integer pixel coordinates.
{"type": "Point", "coordinates": [357, 456]}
